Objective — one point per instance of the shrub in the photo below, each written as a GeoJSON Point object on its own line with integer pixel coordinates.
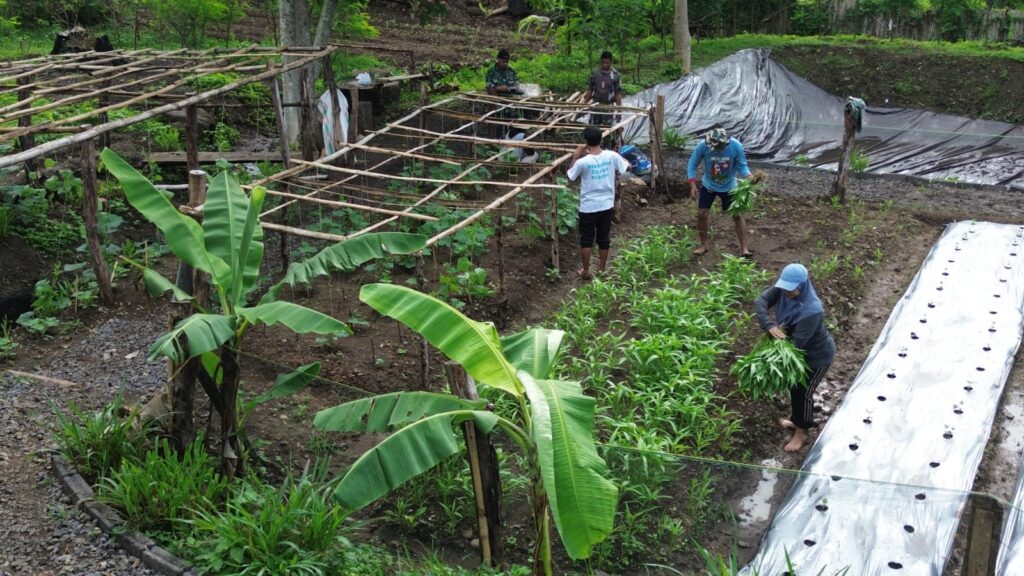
{"type": "Point", "coordinates": [162, 489]}
{"type": "Point", "coordinates": [295, 529]}
{"type": "Point", "coordinates": [97, 443]}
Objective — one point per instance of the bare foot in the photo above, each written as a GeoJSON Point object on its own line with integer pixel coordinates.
{"type": "Point", "coordinates": [787, 424]}
{"type": "Point", "coordinates": [701, 250]}
{"type": "Point", "coordinates": [748, 255]}
{"type": "Point", "coordinates": [797, 442]}
{"type": "Point", "coordinates": [583, 274]}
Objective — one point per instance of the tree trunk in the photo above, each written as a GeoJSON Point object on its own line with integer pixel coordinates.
{"type": "Point", "coordinates": [290, 85]}
{"type": "Point", "coordinates": [323, 27]}
{"type": "Point", "coordinates": [682, 35]}
{"type": "Point", "coordinates": [231, 462]}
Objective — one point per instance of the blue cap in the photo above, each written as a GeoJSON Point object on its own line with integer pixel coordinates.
{"type": "Point", "coordinates": [792, 276]}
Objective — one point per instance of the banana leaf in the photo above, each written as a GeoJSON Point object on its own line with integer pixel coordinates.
{"type": "Point", "coordinates": [386, 412]}
{"type": "Point", "coordinates": [299, 319]}
{"type": "Point", "coordinates": [224, 229]}
{"type": "Point", "coordinates": [286, 385]}
{"type": "Point", "coordinates": [534, 350]}
{"type": "Point", "coordinates": [205, 332]}
{"type": "Point", "coordinates": [184, 235]}
{"type": "Point", "coordinates": [346, 256]}
{"type": "Point", "coordinates": [474, 345]}
{"type": "Point", "coordinates": [405, 454]}
{"type": "Point", "coordinates": [582, 499]}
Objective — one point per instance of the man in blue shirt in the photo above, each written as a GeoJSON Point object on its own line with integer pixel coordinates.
{"type": "Point", "coordinates": [723, 161]}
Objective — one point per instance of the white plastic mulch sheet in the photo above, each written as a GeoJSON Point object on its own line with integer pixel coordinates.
{"type": "Point", "coordinates": [887, 478]}
{"type": "Point", "coordinates": [1011, 550]}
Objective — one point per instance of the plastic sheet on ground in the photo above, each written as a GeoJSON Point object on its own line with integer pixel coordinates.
{"type": "Point", "coordinates": [918, 414]}
{"type": "Point", "coordinates": [779, 116]}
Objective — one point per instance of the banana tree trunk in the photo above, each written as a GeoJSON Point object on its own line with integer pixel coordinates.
{"type": "Point", "coordinates": [231, 461]}
{"type": "Point", "coordinates": [542, 524]}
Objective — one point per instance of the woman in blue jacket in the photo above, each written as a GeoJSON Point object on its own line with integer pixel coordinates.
{"type": "Point", "coordinates": [799, 316]}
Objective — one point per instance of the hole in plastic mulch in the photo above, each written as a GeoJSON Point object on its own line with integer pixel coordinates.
{"type": "Point", "coordinates": [821, 507]}
{"type": "Point", "coordinates": [854, 447]}
{"type": "Point", "coordinates": [914, 336]}
{"type": "Point", "coordinates": [993, 312]}
{"type": "Point", "coordinates": [891, 375]}
{"type": "Point", "coordinates": [920, 496]}
{"type": "Point", "coordinates": [968, 388]}
{"type": "Point", "coordinates": [931, 304]}
{"type": "Point", "coordinates": [947, 435]}
{"type": "Point", "coordinates": [987, 348]}
{"type": "Point", "coordinates": [881, 398]}
{"type": "Point", "coordinates": [809, 542]}
{"type": "Point", "coordinates": [958, 411]}
{"type": "Point", "coordinates": [867, 420]}
{"type": "Point", "coordinates": [924, 320]}
{"type": "Point", "coordinates": [998, 295]}
{"type": "Point", "coordinates": [933, 464]}
{"type": "Point", "coordinates": [980, 369]}
{"type": "Point", "coordinates": [895, 565]}
{"type": "Point", "coordinates": [908, 528]}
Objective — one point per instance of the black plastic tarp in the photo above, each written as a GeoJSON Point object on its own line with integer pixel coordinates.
{"type": "Point", "coordinates": [779, 116]}
{"type": "Point", "coordinates": [888, 478]}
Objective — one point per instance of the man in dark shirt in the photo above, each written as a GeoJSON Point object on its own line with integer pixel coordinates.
{"type": "Point", "coordinates": [501, 79]}
{"type": "Point", "coordinates": [605, 87]}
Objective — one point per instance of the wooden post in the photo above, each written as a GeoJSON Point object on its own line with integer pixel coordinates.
{"type": "Point", "coordinates": [306, 119]}
{"type": "Point", "coordinates": [554, 229]}
{"type": "Point", "coordinates": [196, 198]}
{"type": "Point", "coordinates": [421, 285]}
{"type": "Point", "coordinates": [182, 385]}
{"type": "Point", "coordinates": [842, 171]}
{"type": "Point", "coordinates": [192, 137]}
{"type": "Point", "coordinates": [501, 255]}
{"type": "Point", "coordinates": [423, 126]}
{"type": "Point", "coordinates": [27, 141]}
{"type": "Point", "coordinates": [353, 115]}
{"type": "Point", "coordinates": [103, 117]}
{"type": "Point", "coordinates": [657, 140]}
{"type": "Point", "coordinates": [983, 536]}
{"type": "Point", "coordinates": [332, 87]}
{"type": "Point", "coordinates": [275, 97]}
{"type": "Point", "coordinates": [483, 466]}
{"type": "Point", "coordinates": [90, 209]}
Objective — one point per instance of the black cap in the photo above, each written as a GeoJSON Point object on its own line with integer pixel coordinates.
{"type": "Point", "coordinates": [503, 54]}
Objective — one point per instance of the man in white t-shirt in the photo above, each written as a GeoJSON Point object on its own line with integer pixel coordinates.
{"type": "Point", "coordinates": [598, 171]}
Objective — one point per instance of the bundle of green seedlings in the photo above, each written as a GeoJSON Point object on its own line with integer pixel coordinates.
{"type": "Point", "coordinates": [745, 193]}
{"type": "Point", "coordinates": [773, 367]}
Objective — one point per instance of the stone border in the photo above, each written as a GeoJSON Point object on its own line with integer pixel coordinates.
{"type": "Point", "coordinates": [152, 555]}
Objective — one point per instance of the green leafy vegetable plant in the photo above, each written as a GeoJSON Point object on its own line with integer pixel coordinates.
{"type": "Point", "coordinates": [773, 367]}
{"type": "Point", "coordinates": [744, 194]}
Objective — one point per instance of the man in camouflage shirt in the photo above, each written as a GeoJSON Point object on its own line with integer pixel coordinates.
{"type": "Point", "coordinates": [502, 80]}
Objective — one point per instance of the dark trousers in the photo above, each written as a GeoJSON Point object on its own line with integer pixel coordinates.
{"type": "Point", "coordinates": [802, 398]}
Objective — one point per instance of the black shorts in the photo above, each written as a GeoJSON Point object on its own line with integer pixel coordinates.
{"type": "Point", "coordinates": [706, 199]}
{"type": "Point", "coordinates": [597, 224]}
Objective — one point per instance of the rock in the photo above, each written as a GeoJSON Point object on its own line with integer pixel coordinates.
{"type": "Point", "coordinates": [474, 543]}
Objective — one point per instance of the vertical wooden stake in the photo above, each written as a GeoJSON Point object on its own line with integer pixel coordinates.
{"type": "Point", "coordinates": [483, 466]}
{"type": "Point", "coordinates": [27, 141]}
{"type": "Point", "coordinates": [286, 161]}
{"type": "Point", "coordinates": [657, 138]}
{"type": "Point", "coordinates": [554, 229]}
{"type": "Point", "coordinates": [306, 118]}
{"type": "Point", "coordinates": [192, 137]}
{"type": "Point", "coordinates": [839, 184]}
{"type": "Point", "coordinates": [422, 117]}
{"type": "Point", "coordinates": [103, 118]}
{"type": "Point", "coordinates": [90, 209]}
{"type": "Point", "coordinates": [983, 537]}
{"type": "Point", "coordinates": [421, 285]}
{"type": "Point", "coordinates": [353, 115]}
{"type": "Point", "coordinates": [501, 254]}
{"type": "Point", "coordinates": [196, 198]}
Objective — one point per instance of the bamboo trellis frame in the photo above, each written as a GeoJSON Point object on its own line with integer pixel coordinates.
{"type": "Point", "coordinates": [553, 129]}
{"type": "Point", "coordinates": [120, 80]}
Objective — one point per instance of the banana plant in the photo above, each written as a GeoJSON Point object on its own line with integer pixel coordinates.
{"type": "Point", "coordinates": [553, 427]}
{"type": "Point", "coordinates": [228, 246]}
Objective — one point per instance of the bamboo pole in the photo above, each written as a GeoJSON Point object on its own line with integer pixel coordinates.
{"type": "Point", "coordinates": [90, 208]}
{"type": "Point", "coordinates": [337, 204]}
{"type": "Point", "coordinates": [491, 141]}
{"type": "Point", "coordinates": [26, 142]}
{"type": "Point", "coordinates": [43, 149]}
{"type": "Point", "coordinates": [404, 154]}
{"type": "Point", "coordinates": [331, 168]}
{"type": "Point", "coordinates": [305, 233]}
